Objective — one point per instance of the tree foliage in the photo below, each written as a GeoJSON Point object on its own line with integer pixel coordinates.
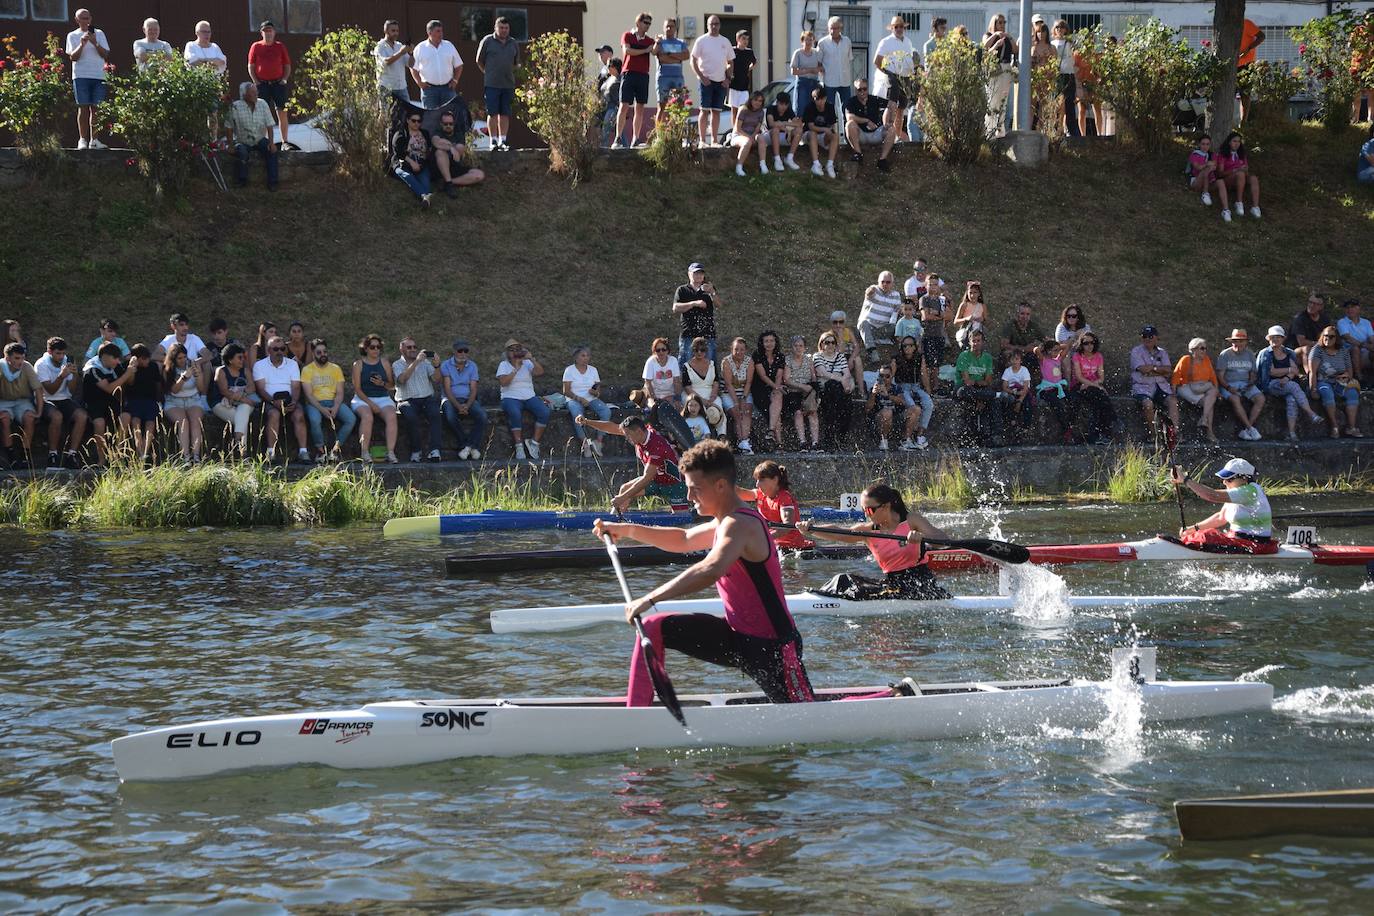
{"type": "Point", "coordinates": [561, 105]}
{"type": "Point", "coordinates": [338, 80]}
{"type": "Point", "coordinates": [163, 112]}
{"type": "Point", "coordinates": [954, 100]}
{"type": "Point", "coordinates": [1337, 52]}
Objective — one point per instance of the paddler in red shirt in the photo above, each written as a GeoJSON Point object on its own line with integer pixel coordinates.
{"type": "Point", "coordinates": [661, 475]}
{"type": "Point", "coordinates": [757, 634]}
{"type": "Point", "coordinates": [773, 498]}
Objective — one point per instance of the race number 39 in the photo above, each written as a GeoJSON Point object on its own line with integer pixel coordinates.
{"type": "Point", "coordinates": [849, 502]}
{"type": "Point", "coordinates": [1301, 536]}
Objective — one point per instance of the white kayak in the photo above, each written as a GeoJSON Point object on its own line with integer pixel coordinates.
{"type": "Point", "coordinates": [411, 732]}
{"type": "Point", "coordinates": [576, 616]}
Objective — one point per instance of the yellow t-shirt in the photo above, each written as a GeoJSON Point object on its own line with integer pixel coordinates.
{"type": "Point", "coordinates": [325, 381]}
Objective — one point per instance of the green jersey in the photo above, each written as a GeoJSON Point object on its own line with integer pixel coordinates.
{"type": "Point", "coordinates": [1248, 510]}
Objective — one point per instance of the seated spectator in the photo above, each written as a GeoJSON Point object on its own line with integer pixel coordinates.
{"type": "Point", "coordinates": [1151, 371]}
{"type": "Point", "coordinates": [450, 165]}
{"type": "Point", "coordinates": [1016, 389]}
{"type": "Point", "coordinates": [249, 130]}
{"type": "Point", "coordinates": [59, 376]}
{"type": "Point", "coordinates": [1089, 395]}
{"type": "Point", "coordinates": [416, 396]}
{"type": "Point", "coordinates": [935, 313]}
{"type": "Point", "coordinates": [1235, 368]}
{"type": "Point", "coordinates": [694, 415]}
{"type": "Point", "coordinates": [878, 313]}
{"type": "Point", "coordinates": [747, 133]}
{"type": "Point", "coordinates": [978, 384]}
{"type": "Point", "coordinates": [1359, 335]}
{"type": "Point", "coordinates": [21, 402]}
{"type": "Point", "coordinates": [217, 338]}
{"type": "Point", "coordinates": [972, 314]}
{"type": "Point", "coordinates": [1279, 376]}
{"type": "Point", "coordinates": [1201, 174]}
{"type": "Point", "coordinates": [12, 333]}
{"type": "Point", "coordinates": [582, 389]}
{"type": "Point", "coordinates": [151, 48]}
{"type": "Point", "coordinates": [142, 401]}
{"type": "Point", "coordinates": [1073, 324]}
{"type": "Point", "coordinates": [102, 388]}
{"type": "Point", "coordinates": [799, 393]}
{"type": "Point", "coordinates": [662, 377]}
{"type": "Point", "coordinates": [278, 382]}
{"type": "Point", "coordinates": [1233, 172]}
{"type": "Point", "coordinates": [322, 393]}
{"type": "Point", "coordinates": [460, 401]}
{"type": "Point", "coordinates": [411, 152]}
{"type": "Point", "coordinates": [1364, 166]}
{"type": "Point", "coordinates": [883, 401]}
{"type": "Point", "coordinates": [109, 333]}
{"type": "Point", "coordinates": [1195, 381]}
{"type": "Point", "coordinates": [1053, 389]}
{"type": "Point", "coordinates": [184, 404]}
{"type": "Point", "coordinates": [907, 372]}
{"type": "Point", "coordinates": [237, 399]}
{"type": "Point", "coordinates": [837, 385]}
{"type": "Point", "coordinates": [700, 378]}
{"type": "Point", "coordinates": [908, 325]}
{"type": "Point", "coordinates": [266, 331]}
{"type": "Point", "coordinates": [770, 376]}
{"type": "Point", "coordinates": [1331, 377]}
{"type": "Point", "coordinates": [1021, 334]}
{"type": "Point", "coordinates": [180, 334]}
{"type": "Point", "coordinates": [863, 121]}
{"type": "Point", "coordinates": [516, 374]}
{"type": "Point", "coordinates": [373, 384]}
{"type": "Point", "coordinates": [737, 370]}
{"type": "Point", "coordinates": [1306, 327]}
{"type": "Point", "coordinates": [784, 126]}
{"type": "Point", "coordinates": [848, 343]}
{"type": "Point", "coordinates": [820, 131]}
{"type": "Point", "coordinates": [297, 346]}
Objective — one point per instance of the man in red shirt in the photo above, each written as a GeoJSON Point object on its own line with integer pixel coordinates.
{"type": "Point", "coordinates": [661, 475]}
{"type": "Point", "coordinates": [636, 47]}
{"type": "Point", "coordinates": [269, 65]}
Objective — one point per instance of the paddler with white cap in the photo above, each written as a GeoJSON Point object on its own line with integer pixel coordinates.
{"type": "Point", "coordinates": [1244, 523]}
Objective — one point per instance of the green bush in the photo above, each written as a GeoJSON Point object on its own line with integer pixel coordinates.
{"type": "Point", "coordinates": [954, 101]}
{"type": "Point", "coordinates": [560, 104]}
{"type": "Point", "coordinates": [33, 94]}
{"type": "Point", "coordinates": [668, 151]}
{"type": "Point", "coordinates": [164, 113]}
{"type": "Point", "coordinates": [1328, 48]}
{"type": "Point", "coordinates": [1145, 74]}
{"type": "Point", "coordinates": [338, 79]}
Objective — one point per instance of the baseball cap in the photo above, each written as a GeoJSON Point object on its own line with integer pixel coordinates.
{"type": "Point", "coordinates": [838, 315]}
{"type": "Point", "coordinates": [1236, 467]}
{"type": "Point", "coordinates": [607, 48]}
{"type": "Point", "coordinates": [1276, 331]}
{"type": "Point", "coordinates": [461, 344]}
{"type": "Point", "coordinates": [694, 267]}
{"type": "Point", "coordinates": [266, 24]}
{"type": "Point", "coordinates": [1037, 18]}
{"type": "Point", "coordinates": [1149, 331]}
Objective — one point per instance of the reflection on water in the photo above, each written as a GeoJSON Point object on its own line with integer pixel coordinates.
{"type": "Point", "coordinates": [107, 633]}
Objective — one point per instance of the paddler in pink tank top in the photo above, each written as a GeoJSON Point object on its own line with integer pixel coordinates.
{"type": "Point", "coordinates": [757, 634]}
{"type": "Point", "coordinates": [905, 573]}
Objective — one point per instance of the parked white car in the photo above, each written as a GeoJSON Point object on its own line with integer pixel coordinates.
{"type": "Point", "coordinates": [308, 136]}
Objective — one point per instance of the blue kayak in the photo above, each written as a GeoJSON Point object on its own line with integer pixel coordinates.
{"type": "Point", "coordinates": [524, 520]}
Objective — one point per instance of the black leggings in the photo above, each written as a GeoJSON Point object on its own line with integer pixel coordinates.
{"type": "Point", "coordinates": [774, 664]}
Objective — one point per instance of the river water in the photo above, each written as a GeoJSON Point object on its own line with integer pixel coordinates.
{"type": "Point", "coordinates": [108, 633]}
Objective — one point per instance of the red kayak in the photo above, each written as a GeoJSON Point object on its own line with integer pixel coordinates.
{"type": "Point", "coordinates": [1157, 550]}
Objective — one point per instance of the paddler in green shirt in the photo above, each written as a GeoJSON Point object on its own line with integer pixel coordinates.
{"type": "Point", "coordinates": [976, 381]}
{"type": "Point", "coordinates": [1244, 523]}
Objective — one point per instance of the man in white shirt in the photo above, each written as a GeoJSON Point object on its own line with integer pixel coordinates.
{"type": "Point", "coordinates": [88, 49]}
{"type": "Point", "coordinates": [917, 285]}
{"type": "Point", "coordinates": [57, 373]}
{"type": "Point", "coordinates": [180, 334]}
{"type": "Point", "coordinates": [894, 63]}
{"type": "Point", "coordinates": [393, 58]}
{"type": "Point", "coordinates": [436, 66]}
{"type": "Point", "coordinates": [415, 395]}
{"type": "Point", "coordinates": [836, 53]}
{"type": "Point", "coordinates": [881, 306]}
{"type": "Point", "coordinates": [1358, 333]}
{"type": "Point", "coordinates": [712, 57]}
{"type": "Point", "coordinates": [278, 381]}
{"type": "Point", "coordinates": [151, 47]}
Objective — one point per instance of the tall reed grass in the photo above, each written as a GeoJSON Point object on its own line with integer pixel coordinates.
{"type": "Point", "coordinates": [948, 486]}
{"type": "Point", "coordinates": [1138, 477]}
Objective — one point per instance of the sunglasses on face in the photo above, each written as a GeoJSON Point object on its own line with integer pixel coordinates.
{"type": "Point", "coordinates": [461, 350]}
{"type": "Point", "coordinates": [276, 349]}
{"type": "Point", "coordinates": [660, 349]}
{"type": "Point", "coordinates": [413, 120]}
{"type": "Point", "coordinates": [871, 509]}
{"type": "Point", "coordinates": [838, 321]}
{"type": "Point", "coordinates": [374, 346]}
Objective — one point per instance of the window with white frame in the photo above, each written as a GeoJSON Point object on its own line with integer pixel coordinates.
{"type": "Point", "coordinates": [974, 20]}
{"type": "Point", "coordinates": [11, 9]}
{"type": "Point", "coordinates": [49, 10]}
{"type": "Point", "coordinates": [299, 16]}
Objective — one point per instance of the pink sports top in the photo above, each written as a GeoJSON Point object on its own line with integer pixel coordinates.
{"type": "Point", "coordinates": [752, 592]}
{"type": "Point", "coordinates": [893, 556]}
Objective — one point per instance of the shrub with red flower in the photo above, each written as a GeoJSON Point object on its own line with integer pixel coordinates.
{"type": "Point", "coordinates": [31, 107]}
{"type": "Point", "coordinates": [1335, 50]}
{"type": "Point", "coordinates": [559, 103]}
{"type": "Point", "coordinates": [163, 112]}
{"type": "Point", "coordinates": [670, 148]}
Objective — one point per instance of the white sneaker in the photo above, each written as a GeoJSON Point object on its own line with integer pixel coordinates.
{"type": "Point", "coordinates": [739, 170]}
{"type": "Point", "coordinates": [1254, 211]}
{"type": "Point", "coordinates": [474, 455]}
{"type": "Point", "coordinates": [596, 447]}
{"type": "Point", "coordinates": [816, 169]}
{"type": "Point", "coordinates": [82, 144]}
{"type": "Point", "coordinates": [763, 168]}
{"type": "Point", "coordinates": [830, 168]}
{"type": "Point", "coordinates": [792, 163]}
{"type": "Point", "coordinates": [532, 448]}
{"type": "Point", "coordinates": [464, 453]}
{"type": "Point", "coordinates": [414, 457]}
{"type": "Point", "coordinates": [907, 445]}
{"type": "Point", "coordinates": [96, 144]}
{"type": "Point", "coordinates": [882, 444]}
{"type": "Point", "coordinates": [434, 455]}
{"type": "Point", "coordinates": [745, 447]}
{"type": "Point", "coordinates": [1240, 209]}
{"type": "Point", "coordinates": [586, 448]}
{"type": "Point", "coordinates": [922, 443]}
{"type": "Point", "coordinates": [1226, 216]}
{"type": "Point", "coordinates": [1255, 434]}
{"type": "Point", "coordinates": [777, 163]}
{"type": "Point", "coordinates": [1206, 199]}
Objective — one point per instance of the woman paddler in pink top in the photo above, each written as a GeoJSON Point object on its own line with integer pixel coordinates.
{"type": "Point", "coordinates": [905, 573]}
{"type": "Point", "coordinates": [757, 634]}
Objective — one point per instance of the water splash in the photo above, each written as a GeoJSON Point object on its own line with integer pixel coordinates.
{"type": "Point", "coordinates": [1338, 704]}
{"type": "Point", "coordinates": [1233, 579]}
{"type": "Point", "coordinates": [1040, 593]}
{"type": "Point", "coordinates": [1259, 674]}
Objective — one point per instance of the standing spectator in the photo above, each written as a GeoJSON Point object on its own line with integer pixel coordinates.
{"type": "Point", "coordinates": [322, 387]}
{"type": "Point", "coordinates": [1307, 326]}
{"type": "Point", "coordinates": [819, 129]}
{"type": "Point", "coordinates": [1279, 376]}
{"type": "Point", "coordinates": [978, 384]}
{"type": "Point", "coordinates": [1073, 324]}
{"type": "Point", "coordinates": [415, 396]}
{"type": "Point", "coordinates": [58, 373]}
{"type": "Point", "coordinates": [278, 382]}
{"type": "Point", "coordinates": [863, 120]}
{"type": "Point", "coordinates": [1359, 334]}
{"type": "Point", "coordinates": [747, 133]}
{"type": "Point", "coordinates": [102, 388]}
{"type": "Point", "coordinates": [636, 47]}
{"type": "Point", "coordinates": [670, 51]}
{"type": "Point", "coordinates": [999, 45]}
{"type": "Point", "coordinates": [184, 404]}
{"type": "Point", "coordinates": [1364, 165]}
{"type": "Point", "coordinates": [180, 333]}
{"type": "Point", "coordinates": [837, 385]}
{"type": "Point", "coordinates": [1235, 368]}
{"type": "Point", "coordinates": [662, 377]}
{"type": "Point", "coordinates": [1151, 371]}
{"type": "Point", "coordinates": [918, 284]}
{"type": "Point", "coordinates": [805, 66]}
{"type": "Point", "coordinates": [799, 393]}
{"type": "Point", "coordinates": [737, 372]}
{"type": "Point", "coordinates": [699, 377]}
{"type": "Point", "coordinates": [610, 100]}
{"type": "Point", "coordinates": [1233, 169]}
{"type": "Point", "coordinates": [1021, 334]}
{"type": "Point", "coordinates": [109, 333]}
{"type": "Point", "coordinates": [516, 374]}
{"type": "Point", "coordinates": [236, 398]}
{"type": "Point", "coordinates": [449, 153]}
{"type": "Point", "coordinates": [393, 60]}
{"type": "Point", "coordinates": [784, 127]}
{"type": "Point", "coordinates": [151, 47]}
{"type": "Point", "coordinates": [410, 157]}
{"type": "Point", "coordinates": [972, 314]}
{"type": "Point", "coordinates": [741, 73]}
{"type": "Point", "coordinates": [373, 384]}
{"type": "Point", "coordinates": [1016, 389]}
{"type": "Point", "coordinates": [939, 27]}
{"type": "Point", "coordinates": [1331, 377]}
{"type": "Point", "coordinates": [250, 130]}
{"type": "Point", "coordinates": [1087, 96]}
{"type": "Point", "coordinates": [935, 315]}
{"type": "Point", "coordinates": [497, 56]}
{"type": "Point", "coordinates": [1053, 389]}
{"type": "Point", "coordinates": [883, 400]}
{"type": "Point", "coordinates": [1195, 380]}
{"type": "Point", "coordinates": [142, 401]}
{"type": "Point", "coordinates": [837, 55]}
{"type": "Point", "coordinates": [770, 377]}
{"type": "Point", "coordinates": [881, 304]}
{"type": "Point", "coordinates": [1067, 81]}
{"type": "Point", "coordinates": [460, 400]}
{"type": "Point", "coordinates": [712, 61]}
{"type": "Point", "coordinates": [202, 52]}
{"type": "Point", "coordinates": [435, 67]}
{"type": "Point", "coordinates": [604, 54]}
{"type": "Point", "coordinates": [582, 388]}
{"type": "Point", "coordinates": [21, 401]}
{"type": "Point", "coordinates": [894, 60]}
{"type": "Point", "coordinates": [907, 372]}
{"type": "Point", "coordinates": [1088, 391]}
{"type": "Point", "coordinates": [269, 66]}
{"type": "Point", "coordinates": [1041, 53]}
{"type": "Point", "coordinates": [88, 49]}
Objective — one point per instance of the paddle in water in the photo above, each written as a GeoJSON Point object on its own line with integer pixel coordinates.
{"type": "Point", "coordinates": [657, 673]}
{"type": "Point", "coordinates": [1002, 551]}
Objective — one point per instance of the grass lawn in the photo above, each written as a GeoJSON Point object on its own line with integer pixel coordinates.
{"type": "Point", "coordinates": [1107, 228]}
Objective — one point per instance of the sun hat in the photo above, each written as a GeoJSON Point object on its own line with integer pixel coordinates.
{"type": "Point", "coordinates": [1236, 467]}
{"type": "Point", "coordinates": [1238, 334]}
{"type": "Point", "coordinates": [1276, 331]}
{"type": "Point", "coordinates": [838, 315]}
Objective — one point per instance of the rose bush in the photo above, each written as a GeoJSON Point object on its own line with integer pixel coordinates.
{"type": "Point", "coordinates": [164, 112]}
{"type": "Point", "coordinates": [338, 79]}
{"type": "Point", "coordinates": [33, 95]}
{"type": "Point", "coordinates": [1328, 47]}
{"type": "Point", "coordinates": [560, 104]}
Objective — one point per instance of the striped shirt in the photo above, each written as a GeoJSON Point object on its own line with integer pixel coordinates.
{"type": "Point", "coordinates": [880, 307]}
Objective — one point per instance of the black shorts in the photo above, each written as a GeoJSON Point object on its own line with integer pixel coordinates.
{"type": "Point", "coordinates": [634, 87]}
{"type": "Point", "coordinates": [774, 664]}
{"type": "Point", "coordinates": [896, 95]}
{"type": "Point", "coordinates": [274, 94]}
{"type": "Point", "coordinates": [933, 349]}
{"type": "Point", "coordinates": [67, 407]}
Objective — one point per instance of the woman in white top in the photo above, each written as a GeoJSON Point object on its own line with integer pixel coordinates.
{"type": "Point", "coordinates": [1000, 46]}
{"type": "Point", "coordinates": [184, 403]}
{"type": "Point", "coordinates": [582, 388]}
{"type": "Point", "coordinates": [151, 47]}
{"type": "Point", "coordinates": [516, 374]}
{"type": "Point", "coordinates": [1068, 72]}
{"type": "Point", "coordinates": [699, 378]}
{"type": "Point", "coordinates": [799, 393]}
{"type": "Point", "coordinates": [205, 53]}
{"type": "Point", "coordinates": [1073, 324]}
{"type": "Point", "coordinates": [737, 370]}
{"type": "Point", "coordinates": [837, 386]}
{"type": "Point", "coordinates": [662, 376]}
{"type": "Point", "coordinates": [972, 314]}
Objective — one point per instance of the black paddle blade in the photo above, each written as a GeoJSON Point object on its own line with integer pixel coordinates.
{"type": "Point", "coordinates": [998, 550]}
{"type": "Point", "coordinates": [659, 675]}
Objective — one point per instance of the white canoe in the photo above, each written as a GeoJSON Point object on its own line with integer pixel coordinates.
{"type": "Point", "coordinates": [576, 616]}
{"type": "Point", "coordinates": [415, 732]}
